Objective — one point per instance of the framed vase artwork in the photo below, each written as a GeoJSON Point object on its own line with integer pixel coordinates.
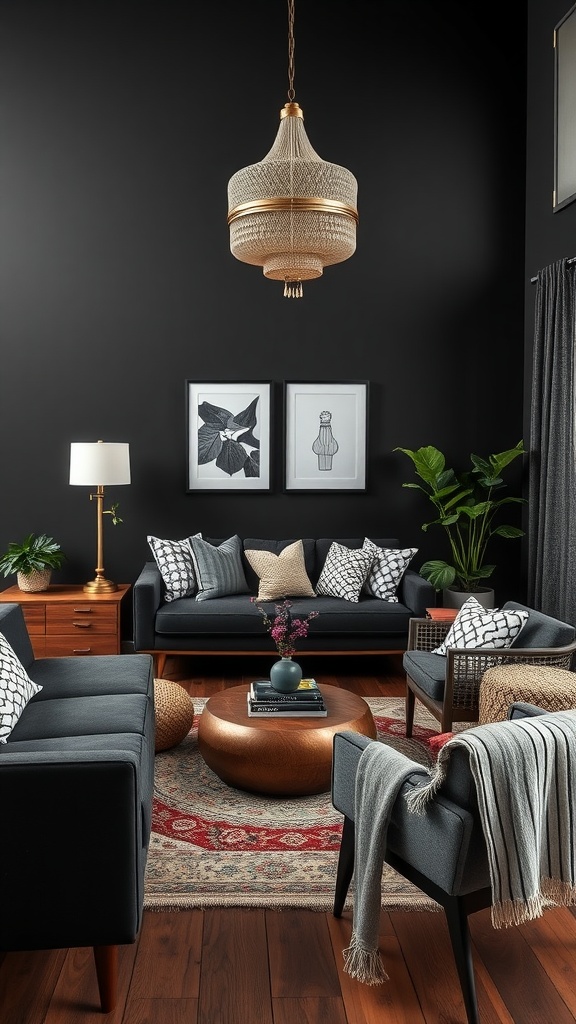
{"type": "Point", "coordinates": [325, 435]}
{"type": "Point", "coordinates": [564, 111]}
{"type": "Point", "coordinates": [228, 435]}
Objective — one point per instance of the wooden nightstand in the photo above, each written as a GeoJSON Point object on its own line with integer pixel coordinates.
{"type": "Point", "coordinates": [64, 620]}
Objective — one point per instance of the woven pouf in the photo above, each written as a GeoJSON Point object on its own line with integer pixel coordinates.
{"type": "Point", "coordinates": [174, 712]}
{"type": "Point", "coordinates": [550, 688]}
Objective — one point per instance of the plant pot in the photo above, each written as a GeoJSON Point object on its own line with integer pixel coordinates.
{"type": "Point", "coordinates": [453, 598]}
{"type": "Point", "coordinates": [31, 582]}
{"type": "Point", "coordinates": [285, 675]}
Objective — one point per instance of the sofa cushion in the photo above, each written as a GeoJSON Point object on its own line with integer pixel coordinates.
{"type": "Point", "coordinates": [277, 547]}
{"type": "Point", "coordinates": [282, 575]}
{"type": "Point", "coordinates": [174, 560]}
{"type": "Point", "coordinates": [84, 716]}
{"type": "Point", "coordinates": [427, 670]}
{"type": "Point", "coordinates": [344, 572]}
{"type": "Point", "coordinates": [219, 570]}
{"type": "Point", "coordinates": [476, 626]}
{"type": "Point", "coordinates": [16, 689]}
{"type": "Point", "coordinates": [87, 677]}
{"type": "Point", "coordinates": [387, 569]}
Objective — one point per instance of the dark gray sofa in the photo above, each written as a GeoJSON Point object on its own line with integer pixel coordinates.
{"type": "Point", "coordinates": [228, 625]}
{"type": "Point", "coordinates": [76, 787]}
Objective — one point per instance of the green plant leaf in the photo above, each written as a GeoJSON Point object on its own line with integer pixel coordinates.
{"type": "Point", "coordinates": [509, 531]}
{"type": "Point", "coordinates": [439, 574]}
{"type": "Point", "coordinates": [428, 462]}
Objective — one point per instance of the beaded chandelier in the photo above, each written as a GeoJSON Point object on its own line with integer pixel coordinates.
{"type": "Point", "coordinates": [292, 213]}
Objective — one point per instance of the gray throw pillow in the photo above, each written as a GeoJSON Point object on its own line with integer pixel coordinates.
{"type": "Point", "coordinates": [219, 570]}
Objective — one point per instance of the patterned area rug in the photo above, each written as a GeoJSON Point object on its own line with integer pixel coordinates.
{"type": "Point", "coordinates": [213, 845]}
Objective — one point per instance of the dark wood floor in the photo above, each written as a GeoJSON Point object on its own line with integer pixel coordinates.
{"type": "Point", "coordinates": [284, 967]}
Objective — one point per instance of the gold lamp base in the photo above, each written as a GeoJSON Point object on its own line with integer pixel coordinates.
{"type": "Point", "coordinates": [100, 586]}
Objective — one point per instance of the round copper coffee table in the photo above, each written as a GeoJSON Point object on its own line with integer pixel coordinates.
{"type": "Point", "coordinates": [278, 756]}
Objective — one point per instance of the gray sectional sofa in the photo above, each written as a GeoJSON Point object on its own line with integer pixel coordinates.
{"type": "Point", "coordinates": [232, 624]}
{"type": "Point", "coordinates": [76, 787]}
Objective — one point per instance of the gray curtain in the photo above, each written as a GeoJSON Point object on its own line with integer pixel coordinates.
{"type": "Point", "coordinates": [552, 462]}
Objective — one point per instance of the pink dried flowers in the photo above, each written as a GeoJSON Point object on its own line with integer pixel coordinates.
{"type": "Point", "coordinates": [283, 629]}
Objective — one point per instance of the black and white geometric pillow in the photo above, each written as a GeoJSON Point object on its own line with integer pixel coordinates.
{"type": "Point", "coordinates": [344, 572]}
{"type": "Point", "coordinates": [387, 569]}
{"type": "Point", "coordinates": [475, 626]}
{"type": "Point", "coordinates": [174, 561]}
{"type": "Point", "coordinates": [16, 688]}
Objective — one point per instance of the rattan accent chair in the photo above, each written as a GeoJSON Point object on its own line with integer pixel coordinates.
{"type": "Point", "coordinates": [449, 686]}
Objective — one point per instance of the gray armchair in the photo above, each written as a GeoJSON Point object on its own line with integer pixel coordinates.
{"type": "Point", "coordinates": [442, 852]}
{"type": "Point", "coordinates": [449, 686]}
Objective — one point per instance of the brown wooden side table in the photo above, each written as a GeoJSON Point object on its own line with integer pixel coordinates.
{"type": "Point", "coordinates": [64, 620]}
{"type": "Point", "coordinates": [278, 756]}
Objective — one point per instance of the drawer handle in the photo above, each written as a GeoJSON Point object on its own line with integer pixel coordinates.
{"type": "Point", "coordinates": [83, 611]}
{"type": "Point", "coordinates": [82, 650]}
{"type": "Point", "coordinates": [82, 625]}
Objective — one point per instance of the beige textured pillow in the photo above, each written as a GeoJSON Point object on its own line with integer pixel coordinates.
{"type": "Point", "coordinates": [282, 575]}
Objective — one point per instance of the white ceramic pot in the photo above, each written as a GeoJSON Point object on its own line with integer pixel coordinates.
{"type": "Point", "coordinates": [453, 598]}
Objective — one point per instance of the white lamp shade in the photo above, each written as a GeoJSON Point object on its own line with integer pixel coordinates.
{"type": "Point", "coordinates": [100, 462]}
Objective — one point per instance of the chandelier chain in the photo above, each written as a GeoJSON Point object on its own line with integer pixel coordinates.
{"type": "Point", "coordinates": [291, 93]}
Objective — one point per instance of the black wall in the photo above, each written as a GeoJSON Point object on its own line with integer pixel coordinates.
{"type": "Point", "coordinates": [121, 124]}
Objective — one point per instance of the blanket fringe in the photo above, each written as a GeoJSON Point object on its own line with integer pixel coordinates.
{"type": "Point", "coordinates": [364, 964]}
{"type": "Point", "coordinates": [418, 799]}
{"type": "Point", "coordinates": [553, 892]}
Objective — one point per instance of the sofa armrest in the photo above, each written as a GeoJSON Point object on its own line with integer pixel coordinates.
{"type": "Point", "coordinates": [146, 598]}
{"type": "Point", "coordinates": [84, 886]}
{"type": "Point", "coordinates": [416, 593]}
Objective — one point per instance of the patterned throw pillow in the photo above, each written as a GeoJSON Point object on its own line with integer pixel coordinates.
{"type": "Point", "coordinates": [218, 569]}
{"type": "Point", "coordinates": [174, 560]}
{"type": "Point", "coordinates": [16, 688]}
{"type": "Point", "coordinates": [387, 569]}
{"type": "Point", "coordinates": [282, 575]}
{"type": "Point", "coordinates": [344, 572]}
{"type": "Point", "coordinates": [476, 626]}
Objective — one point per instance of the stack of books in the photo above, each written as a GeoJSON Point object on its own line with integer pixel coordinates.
{"type": "Point", "coordinates": [305, 702]}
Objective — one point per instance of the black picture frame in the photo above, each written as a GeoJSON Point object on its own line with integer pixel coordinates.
{"type": "Point", "coordinates": [325, 436]}
{"type": "Point", "coordinates": [564, 111]}
{"type": "Point", "coordinates": [228, 436]}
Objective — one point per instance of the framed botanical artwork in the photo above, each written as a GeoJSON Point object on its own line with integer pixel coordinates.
{"type": "Point", "coordinates": [228, 430]}
{"type": "Point", "coordinates": [564, 111]}
{"type": "Point", "coordinates": [325, 435]}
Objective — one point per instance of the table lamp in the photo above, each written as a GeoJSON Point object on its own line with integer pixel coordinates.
{"type": "Point", "coordinates": [99, 464]}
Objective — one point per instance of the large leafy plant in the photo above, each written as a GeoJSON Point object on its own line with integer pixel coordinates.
{"type": "Point", "coordinates": [34, 554]}
{"type": "Point", "coordinates": [467, 506]}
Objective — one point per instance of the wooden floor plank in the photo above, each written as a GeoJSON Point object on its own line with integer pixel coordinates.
{"type": "Point", "coordinates": [301, 957]}
{"type": "Point", "coordinates": [553, 940]}
{"type": "Point", "coordinates": [76, 999]}
{"type": "Point", "coordinates": [27, 983]}
{"type": "Point", "coordinates": [234, 981]}
{"type": "Point", "coordinates": [308, 1010]}
{"type": "Point", "coordinates": [394, 1002]}
{"type": "Point", "coordinates": [526, 989]}
{"type": "Point", "coordinates": [169, 955]}
{"type": "Point", "coordinates": [162, 1011]}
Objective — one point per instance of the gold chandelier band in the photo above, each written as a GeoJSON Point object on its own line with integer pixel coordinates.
{"type": "Point", "coordinates": [295, 204]}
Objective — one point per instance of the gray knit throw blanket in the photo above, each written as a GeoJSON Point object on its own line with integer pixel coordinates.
{"type": "Point", "coordinates": [380, 774]}
{"type": "Point", "coordinates": [524, 771]}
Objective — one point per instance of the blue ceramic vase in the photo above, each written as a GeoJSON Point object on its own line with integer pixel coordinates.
{"type": "Point", "coordinates": [285, 675]}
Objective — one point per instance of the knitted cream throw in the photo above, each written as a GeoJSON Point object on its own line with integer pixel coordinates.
{"type": "Point", "coordinates": [380, 774]}
{"type": "Point", "coordinates": [525, 775]}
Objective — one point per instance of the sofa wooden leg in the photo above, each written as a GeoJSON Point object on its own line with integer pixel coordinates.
{"type": "Point", "coordinates": [106, 960]}
{"type": "Point", "coordinates": [159, 664]}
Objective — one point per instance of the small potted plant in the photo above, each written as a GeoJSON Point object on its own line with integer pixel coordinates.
{"type": "Point", "coordinates": [33, 561]}
{"type": "Point", "coordinates": [467, 506]}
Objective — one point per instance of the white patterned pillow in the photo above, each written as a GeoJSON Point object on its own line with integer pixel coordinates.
{"type": "Point", "coordinates": [475, 626]}
{"type": "Point", "coordinates": [174, 561]}
{"type": "Point", "coordinates": [387, 569]}
{"type": "Point", "coordinates": [344, 572]}
{"type": "Point", "coordinates": [16, 688]}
